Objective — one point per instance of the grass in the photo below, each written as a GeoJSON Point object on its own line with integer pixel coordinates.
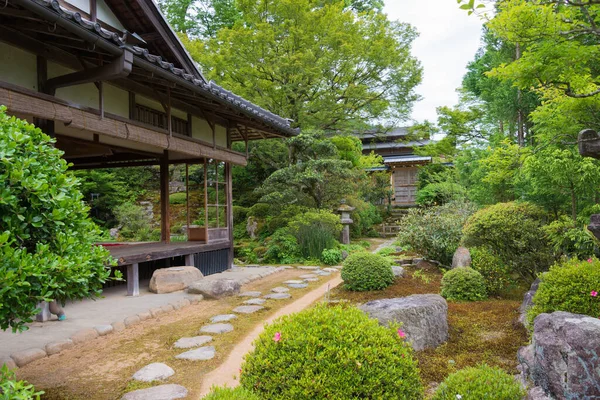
{"type": "Point", "coordinates": [480, 332]}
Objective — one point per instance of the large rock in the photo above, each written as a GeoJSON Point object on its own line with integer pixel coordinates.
{"type": "Point", "coordinates": [424, 317]}
{"type": "Point", "coordinates": [153, 372]}
{"type": "Point", "coordinates": [528, 302]}
{"type": "Point", "coordinates": [564, 356]}
{"type": "Point", "coordinates": [215, 289]}
{"type": "Point", "coordinates": [461, 258]}
{"type": "Point", "coordinates": [167, 280]}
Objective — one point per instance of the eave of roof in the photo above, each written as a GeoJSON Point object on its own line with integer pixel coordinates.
{"type": "Point", "coordinates": [406, 160]}
{"type": "Point", "coordinates": [395, 145]}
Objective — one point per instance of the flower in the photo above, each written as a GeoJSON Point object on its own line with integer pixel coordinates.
{"type": "Point", "coordinates": [458, 396]}
{"type": "Point", "coordinates": [277, 337]}
{"type": "Point", "coordinates": [401, 334]}
{"type": "Point", "coordinates": [590, 260]}
{"type": "Point", "coordinates": [594, 293]}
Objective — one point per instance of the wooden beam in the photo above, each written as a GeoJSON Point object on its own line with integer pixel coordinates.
{"type": "Point", "coordinates": [165, 225]}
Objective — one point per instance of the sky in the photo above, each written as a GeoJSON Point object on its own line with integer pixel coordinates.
{"type": "Point", "coordinates": [449, 39]}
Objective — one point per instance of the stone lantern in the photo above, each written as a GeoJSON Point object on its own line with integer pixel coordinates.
{"type": "Point", "coordinates": [345, 211]}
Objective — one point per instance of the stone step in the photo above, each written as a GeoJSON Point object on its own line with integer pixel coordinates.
{"type": "Point", "coordinates": [189, 342]}
{"type": "Point", "coordinates": [222, 318]}
{"type": "Point", "coordinates": [200, 354]}
{"type": "Point", "coordinates": [247, 309]}
{"type": "Point", "coordinates": [255, 302]}
{"type": "Point", "coordinates": [280, 289]}
{"type": "Point", "coordinates": [216, 328]}
{"type": "Point", "coordinates": [153, 372]}
{"type": "Point", "coordinates": [277, 296]}
{"type": "Point", "coordinates": [162, 392]}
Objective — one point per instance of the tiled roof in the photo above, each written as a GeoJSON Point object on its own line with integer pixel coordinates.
{"type": "Point", "coordinates": [395, 145]}
{"type": "Point", "coordinates": [405, 159]}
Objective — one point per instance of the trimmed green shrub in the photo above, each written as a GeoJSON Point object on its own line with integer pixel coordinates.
{"type": "Point", "coordinates": [335, 353]}
{"type": "Point", "coordinates": [47, 240]}
{"type": "Point", "coordinates": [12, 389]}
{"type": "Point", "coordinates": [364, 271]}
{"type": "Point", "coordinates": [495, 273]}
{"type": "Point", "coordinates": [282, 248]}
{"type": "Point", "coordinates": [178, 198]}
{"type": "Point", "coordinates": [225, 393]}
{"type": "Point", "coordinates": [479, 383]}
{"type": "Point", "coordinates": [259, 210]}
{"type": "Point", "coordinates": [240, 215]}
{"type": "Point", "coordinates": [315, 232]}
{"type": "Point", "coordinates": [463, 283]}
{"type": "Point", "coordinates": [331, 256]}
{"type": "Point", "coordinates": [514, 232]}
{"type": "Point", "coordinates": [571, 286]}
{"type": "Point", "coordinates": [435, 232]}
{"type": "Point", "coordinates": [569, 241]}
{"type": "Point", "coordinates": [439, 193]}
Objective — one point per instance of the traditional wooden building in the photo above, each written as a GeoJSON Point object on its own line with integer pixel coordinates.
{"type": "Point", "coordinates": [110, 80]}
{"type": "Point", "coordinates": [398, 155]}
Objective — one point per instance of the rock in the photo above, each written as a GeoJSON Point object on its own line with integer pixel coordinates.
{"type": "Point", "coordinates": [344, 254]}
{"type": "Point", "coordinates": [168, 308]}
{"type": "Point", "coordinates": [8, 362]}
{"type": "Point", "coordinates": [162, 392]}
{"type": "Point", "coordinates": [311, 280]}
{"type": "Point", "coordinates": [247, 309]}
{"type": "Point", "coordinates": [308, 276]}
{"type": "Point", "coordinates": [195, 299]}
{"type": "Point", "coordinates": [155, 312]}
{"type": "Point", "coordinates": [84, 335]}
{"type": "Point", "coordinates": [277, 296]}
{"type": "Point", "coordinates": [189, 342]}
{"type": "Point", "coordinates": [527, 303]}
{"type": "Point", "coordinates": [250, 294]}
{"type": "Point", "coordinates": [309, 268]}
{"type": "Point", "coordinates": [537, 393]}
{"type": "Point", "coordinates": [25, 357]}
{"type": "Point", "coordinates": [322, 273]}
{"type": "Point", "coordinates": [144, 316]}
{"type": "Point", "coordinates": [168, 280]}
{"type": "Point", "coordinates": [563, 357]}
{"type": "Point", "coordinates": [153, 372]}
{"type": "Point", "coordinates": [297, 285]}
{"type": "Point", "coordinates": [424, 317]}
{"type": "Point", "coordinates": [134, 319]}
{"type": "Point", "coordinates": [292, 282]}
{"type": "Point", "coordinates": [398, 271]}
{"type": "Point", "coordinates": [201, 354]}
{"type": "Point", "coordinates": [280, 289]}
{"type": "Point", "coordinates": [118, 326]}
{"type": "Point", "coordinates": [217, 328]}
{"type": "Point", "coordinates": [255, 302]}
{"type": "Point", "coordinates": [58, 346]}
{"type": "Point", "coordinates": [215, 289]}
{"type": "Point", "coordinates": [426, 265]}
{"type": "Point", "coordinates": [223, 318]}
{"type": "Point", "coordinates": [461, 258]}
{"type": "Point", "coordinates": [329, 269]}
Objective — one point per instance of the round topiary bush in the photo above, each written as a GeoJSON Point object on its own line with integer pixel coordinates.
{"type": "Point", "coordinates": [463, 283]}
{"type": "Point", "coordinates": [238, 393]}
{"type": "Point", "coordinates": [335, 353]}
{"type": "Point", "coordinates": [366, 271]}
{"type": "Point", "coordinates": [495, 273]}
{"type": "Point", "coordinates": [479, 383]}
{"type": "Point", "coordinates": [572, 286]}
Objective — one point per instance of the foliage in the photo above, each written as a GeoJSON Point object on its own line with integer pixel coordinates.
{"type": "Point", "coordinates": [440, 193]}
{"type": "Point", "coordinates": [283, 248]}
{"type": "Point", "coordinates": [495, 273]}
{"type": "Point", "coordinates": [46, 236]}
{"type": "Point", "coordinates": [202, 18]}
{"type": "Point", "coordinates": [570, 286]}
{"type": "Point", "coordinates": [364, 271]}
{"type": "Point", "coordinates": [259, 210]}
{"type": "Point", "coordinates": [240, 214]}
{"type": "Point", "coordinates": [365, 216]}
{"type": "Point", "coordinates": [335, 353]}
{"type": "Point", "coordinates": [479, 383]}
{"type": "Point", "coordinates": [226, 393]}
{"type": "Point", "coordinates": [315, 231]}
{"type": "Point", "coordinates": [12, 389]}
{"type": "Point", "coordinates": [435, 232]}
{"type": "Point", "coordinates": [178, 198]}
{"type": "Point", "coordinates": [463, 283]}
{"type": "Point", "coordinates": [331, 256]}
{"type": "Point", "coordinates": [514, 232]}
{"type": "Point", "coordinates": [570, 241]}
{"type": "Point", "coordinates": [134, 222]}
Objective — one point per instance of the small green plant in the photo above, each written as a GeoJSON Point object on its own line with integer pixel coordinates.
{"type": "Point", "coordinates": [224, 393]}
{"type": "Point", "coordinates": [12, 389]}
{"type": "Point", "coordinates": [495, 273]}
{"type": "Point", "coordinates": [439, 193]}
{"type": "Point", "coordinates": [331, 256]}
{"type": "Point", "coordinates": [135, 224]}
{"type": "Point", "coordinates": [364, 271]}
{"type": "Point", "coordinates": [479, 383]}
{"type": "Point", "coordinates": [315, 232]}
{"type": "Point", "coordinates": [387, 251]}
{"type": "Point", "coordinates": [418, 274]}
{"type": "Point", "coordinates": [282, 247]}
{"type": "Point", "coordinates": [335, 353]}
{"type": "Point", "coordinates": [178, 198]}
{"type": "Point", "coordinates": [463, 283]}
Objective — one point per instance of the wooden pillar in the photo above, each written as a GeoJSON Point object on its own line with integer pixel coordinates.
{"type": "Point", "coordinates": [165, 225]}
{"type": "Point", "coordinates": [189, 260]}
{"type": "Point", "coordinates": [228, 191]}
{"type": "Point", "coordinates": [47, 126]}
{"type": "Point", "coordinates": [133, 280]}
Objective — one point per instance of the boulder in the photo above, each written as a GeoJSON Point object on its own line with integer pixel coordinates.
{"type": "Point", "coordinates": [215, 289]}
{"type": "Point", "coordinates": [461, 258]}
{"type": "Point", "coordinates": [424, 317]}
{"type": "Point", "coordinates": [398, 271]}
{"type": "Point", "coordinates": [167, 280]}
{"type": "Point", "coordinates": [528, 302]}
{"type": "Point", "coordinates": [563, 357]}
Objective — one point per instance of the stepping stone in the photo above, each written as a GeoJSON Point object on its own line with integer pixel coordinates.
{"type": "Point", "coordinates": [153, 372]}
{"type": "Point", "coordinates": [280, 289]}
{"type": "Point", "coordinates": [189, 342]}
{"type": "Point", "coordinates": [334, 270]}
{"type": "Point", "coordinates": [309, 268]}
{"type": "Point", "coordinates": [286, 267]}
{"type": "Point", "coordinates": [216, 328]}
{"type": "Point", "coordinates": [311, 280]}
{"type": "Point", "coordinates": [250, 294]}
{"type": "Point", "coordinates": [323, 273]}
{"type": "Point", "coordinates": [278, 296]}
{"type": "Point", "coordinates": [162, 392]}
{"type": "Point", "coordinates": [223, 318]}
{"type": "Point", "coordinates": [298, 285]}
{"type": "Point", "coordinates": [308, 276]}
{"type": "Point", "coordinates": [247, 309]}
{"type": "Point", "coordinates": [255, 302]}
{"type": "Point", "coordinates": [292, 281]}
{"type": "Point", "coordinates": [201, 354]}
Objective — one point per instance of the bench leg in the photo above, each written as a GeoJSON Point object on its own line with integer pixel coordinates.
{"type": "Point", "coordinates": [189, 260]}
{"type": "Point", "coordinates": [133, 280]}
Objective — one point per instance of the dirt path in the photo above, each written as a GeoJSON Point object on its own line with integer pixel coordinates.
{"type": "Point", "coordinates": [227, 372]}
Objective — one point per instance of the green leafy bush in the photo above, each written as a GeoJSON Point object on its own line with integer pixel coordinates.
{"type": "Point", "coordinates": [135, 224]}
{"type": "Point", "coordinates": [282, 248]}
{"type": "Point", "coordinates": [364, 271]}
{"type": "Point", "coordinates": [12, 389]}
{"type": "Point", "coordinates": [479, 383]}
{"type": "Point", "coordinates": [571, 286]}
{"type": "Point", "coordinates": [514, 232]}
{"type": "Point", "coordinates": [495, 273]}
{"type": "Point", "coordinates": [435, 232]}
{"type": "Point", "coordinates": [259, 210]}
{"type": "Point", "coordinates": [439, 193]}
{"type": "Point", "coordinates": [567, 240]}
{"type": "Point", "coordinates": [46, 236]}
{"type": "Point", "coordinates": [335, 353]}
{"type": "Point", "coordinates": [365, 216]}
{"type": "Point", "coordinates": [331, 256]}
{"type": "Point", "coordinates": [463, 283]}
{"type": "Point", "coordinates": [239, 393]}
{"type": "Point", "coordinates": [240, 214]}
{"type": "Point", "coordinates": [178, 198]}
{"type": "Point", "coordinates": [315, 232]}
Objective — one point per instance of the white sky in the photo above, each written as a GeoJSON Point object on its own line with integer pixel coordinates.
{"type": "Point", "coordinates": [448, 40]}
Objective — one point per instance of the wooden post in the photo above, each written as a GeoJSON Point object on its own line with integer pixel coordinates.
{"type": "Point", "coordinates": [228, 189]}
{"type": "Point", "coordinates": [189, 260]}
{"type": "Point", "coordinates": [165, 226]}
{"type": "Point", "coordinates": [133, 280]}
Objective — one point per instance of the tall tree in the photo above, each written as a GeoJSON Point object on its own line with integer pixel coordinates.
{"type": "Point", "coordinates": [200, 18]}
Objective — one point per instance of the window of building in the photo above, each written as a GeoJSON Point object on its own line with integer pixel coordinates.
{"type": "Point", "coordinates": [156, 118]}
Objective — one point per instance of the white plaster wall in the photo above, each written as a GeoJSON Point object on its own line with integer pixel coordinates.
{"type": "Point", "coordinates": [116, 101]}
{"type": "Point", "coordinates": [83, 5]}
{"type": "Point", "coordinates": [201, 129]}
{"type": "Point", "coordinates": [18, 67]}
{"type": "Point", "coordinates": [221, 136]}
{"type": "Point", "coordinates": [83, 95]}
{"type": "Point", "coordinates": [104, 13]}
